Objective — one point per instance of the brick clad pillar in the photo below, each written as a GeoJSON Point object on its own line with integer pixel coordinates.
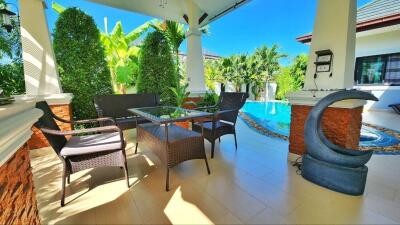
{"type": "Point", "coordinates": [17, 197]}
{"type": "Point", "coordinates": [63, 111]}
{"type": "Point", "coordinates": [341, 125]}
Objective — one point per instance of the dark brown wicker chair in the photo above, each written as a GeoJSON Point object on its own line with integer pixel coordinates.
{"type": "Point", "coordinates": [116, 107]}
{"type": "Point", "coordinates": [99, 147]}
{"type": "Point", "coordinates": [224, 120]}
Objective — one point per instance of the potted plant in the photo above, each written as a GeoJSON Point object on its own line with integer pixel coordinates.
{"type": "Point", "coordinates": [181, 95]}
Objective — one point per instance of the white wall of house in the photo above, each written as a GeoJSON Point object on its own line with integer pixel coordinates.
{"type": "Point", "coordinates": [378, 42]}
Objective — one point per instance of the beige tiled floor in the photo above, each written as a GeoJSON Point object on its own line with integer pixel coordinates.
{"type": "Point", "coordinates": [255, 185]}
{"type": "Point", "coordinates": [388, 119]}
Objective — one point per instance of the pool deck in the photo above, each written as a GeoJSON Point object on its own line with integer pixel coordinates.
{"type": "Point", "coordinates": [387, 119]}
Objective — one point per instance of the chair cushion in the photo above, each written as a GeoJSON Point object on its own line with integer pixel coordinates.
{"type": "Point", "coordinates": [80, 145]}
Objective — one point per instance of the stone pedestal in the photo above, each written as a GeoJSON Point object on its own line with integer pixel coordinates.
{"type": "Point", "coordinates": [341, 122]}
{"type": "Point", "coordinates": [341, 126]}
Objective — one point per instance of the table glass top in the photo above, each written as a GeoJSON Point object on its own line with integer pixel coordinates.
{"type": "Point", "coordinates": [168, 113]}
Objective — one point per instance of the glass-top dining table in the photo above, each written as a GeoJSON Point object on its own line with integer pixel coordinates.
{"type": "Point", "coordinates": [171, 143]}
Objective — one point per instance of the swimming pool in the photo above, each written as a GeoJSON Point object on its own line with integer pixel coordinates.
{"type": "Point", "coordinates": [275, 117]}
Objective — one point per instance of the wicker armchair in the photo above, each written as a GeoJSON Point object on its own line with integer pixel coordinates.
{"type": "Point", "coordinates": [224, 120]}
{"type": "Point", "coordinates": [94, 147]}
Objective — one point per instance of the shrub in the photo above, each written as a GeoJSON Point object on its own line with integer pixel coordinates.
{"type": "Point", "coordinates": [209, 99]}
{"type": "Point", "coordinates": [285, 84]}
{"type": "Point", "coordinates": [157, 71]}
{"type": "Point", "coordinates": [292, 78]}
{"type": "Point", "coordinates": [80, 57]}
{"type": "Point", "coordinates": [12, 79]}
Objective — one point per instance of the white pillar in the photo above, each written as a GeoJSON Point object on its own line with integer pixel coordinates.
{"type": "Point", "coordinates": [195, 61]}
{"type": "Point", "coordinates": [40, 70]}
{"type": "Point", "coordinates": [334, 29]}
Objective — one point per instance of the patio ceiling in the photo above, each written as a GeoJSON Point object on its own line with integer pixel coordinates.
{"type": "Point", "coordinates": [176, 10]}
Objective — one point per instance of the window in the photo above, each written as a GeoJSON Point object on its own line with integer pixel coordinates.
{"type": "Point", "coordinates": [378, 70]}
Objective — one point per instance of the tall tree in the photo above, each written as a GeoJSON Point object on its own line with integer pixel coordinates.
{"type": "Point", "coordinates": [157, 73]}
{"type": "Point", "coordinates": [80, 57]}
{"type": "Point", "coordinates": [268, 60]}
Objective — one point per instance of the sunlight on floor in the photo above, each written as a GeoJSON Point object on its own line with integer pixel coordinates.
{"type": "Point", "coordinates": [179, 211]}
{"type": "Point", "coordinates": [255, 185]}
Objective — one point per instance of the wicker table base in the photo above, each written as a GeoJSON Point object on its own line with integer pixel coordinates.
{"type": "Point", "coordinates": [172, 144]}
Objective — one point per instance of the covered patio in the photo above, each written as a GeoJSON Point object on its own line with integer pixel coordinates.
{"type": "Point", "coordinates": [255, 185]}
{"type": "Point", "coordinates": [258, 183]}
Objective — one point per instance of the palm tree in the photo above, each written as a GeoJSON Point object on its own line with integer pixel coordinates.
{"type": "Point", "coordinates": [122, 54]}
{"type": "Point", "coordinates": [175, 33]}
{"type": "Point", "coordinates": [213, 73]}
{"type": "Point", "coordinates": [232, 68]}
{"type": "Point", "coordinates": [268, 60]}
{"type": "Point", "coordinates": [267, 63]}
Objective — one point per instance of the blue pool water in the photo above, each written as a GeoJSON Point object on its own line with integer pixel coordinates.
{"type": "Point", "coordinates": [275, 117]}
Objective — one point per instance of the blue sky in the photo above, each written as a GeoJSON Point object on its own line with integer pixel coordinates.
{"type": "Point", "coordinates": [256, 23]}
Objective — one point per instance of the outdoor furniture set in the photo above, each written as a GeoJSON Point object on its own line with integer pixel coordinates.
{"type": "Point", "coordinates": [104, 146]}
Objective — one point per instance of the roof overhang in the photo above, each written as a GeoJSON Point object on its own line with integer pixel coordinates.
{"type": "Point", "coordinates": [362, 26]}
{"type": "Point", "coordinates": [176, 10]}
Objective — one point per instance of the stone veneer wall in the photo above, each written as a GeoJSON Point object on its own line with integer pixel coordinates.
{"type": "Point", "coordinates": [341, 125]}
{"type": "Point", "coordinates": [38, 140]}
{"type": "Point", "coordinates": [17, 196]}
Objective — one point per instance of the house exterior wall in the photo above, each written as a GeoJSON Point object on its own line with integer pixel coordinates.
{"type": "Point", "coordinates": [378, 44]}
{"type": "Point", "coordinates": [17, 195]}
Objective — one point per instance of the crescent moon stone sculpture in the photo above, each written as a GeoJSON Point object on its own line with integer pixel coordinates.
{"type": "Point", "coordinates": [328, 165]}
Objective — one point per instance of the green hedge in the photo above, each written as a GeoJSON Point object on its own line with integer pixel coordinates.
{"type": "Point", "coordinates": [80, 57]}
{"type": "Point", "coordinates": [157, 71]}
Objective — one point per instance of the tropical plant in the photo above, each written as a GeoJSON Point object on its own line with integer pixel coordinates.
{"type": "Point", "coordinates": [181, 94]}
{"type": "Point", "coordinates": [11, 67]}
{"type": "Point", "coordinates": [175, 33]}
{"type": "Point", "coordinates": [157, 72]}
{"type": "Point", "coordinates": [298, 70]}
{"type": "Point", "coordinates": [213, 73]}
{"type": "Point", "coordinates": [122, 55]}
{"type": "Point", "coordinates": [230, 71]}
{"type": "Point", "coordinates": [285, 84]}
{"type": "Point", "coordinates": [265, 64]}
{"type": "Point", "coordinates": [209, 99]}
{"type": "Point", "coordinates": [81, 60]}
{"type": "Point", "coordinates": [268, 60]}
